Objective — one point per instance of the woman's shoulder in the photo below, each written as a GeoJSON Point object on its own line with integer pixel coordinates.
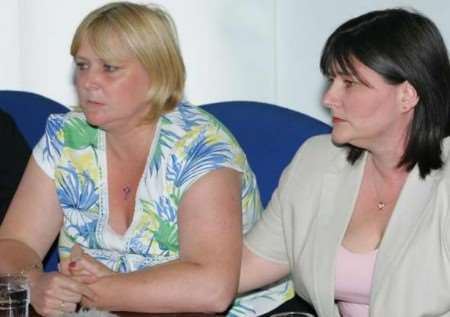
{"type": "Point", "coordinates": [191, 131]}
{"type": "Point", "coordinates": [187, 121]}
{"type": "Point", "coordinates": [322, 144]}
{"type": "Point", "coordinates": [189, 116]}
{"type": "Point", "coordinates": [65, 117]}
{"type": "Point", "coordinates": [69, 125]}
{"type": "Point", "coordinates": [318, 152]}
{"type": "Point", "coordinates": [445, 170]}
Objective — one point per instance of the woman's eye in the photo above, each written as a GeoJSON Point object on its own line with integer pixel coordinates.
{"type": "Point", "coordinates": [349, 83]}
{"type": "Point", "coordinates": [81, 65]}
{"type": "Point", "coordinates": [110, 68]}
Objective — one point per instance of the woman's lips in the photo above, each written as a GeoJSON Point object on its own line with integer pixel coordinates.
{"type": "Point", "coordinates": [94, 103]}
{"type": "Point", "coordinates": [337, 120]}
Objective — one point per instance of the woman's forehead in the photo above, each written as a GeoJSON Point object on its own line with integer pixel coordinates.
{"type": "Point", "coordinates": [355, 69]}
{"type": "Point", "coordinates": [108, 47]}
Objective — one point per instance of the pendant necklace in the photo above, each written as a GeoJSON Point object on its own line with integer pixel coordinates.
{"type": "Point", "coordinates": [381, 203]}
{"type": "Point", "coordinates": [126, 190]}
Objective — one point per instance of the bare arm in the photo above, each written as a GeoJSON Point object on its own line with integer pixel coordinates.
{"type": "Point", "coordinates": [205, 277]}
{"type": "Point", "coordinates": [31, 225]}
{"type": "Point", "coordinates": [257, 272]}
{"type": "Point", "coordinates": [32, 222]}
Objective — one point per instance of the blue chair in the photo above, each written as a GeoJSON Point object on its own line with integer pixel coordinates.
{"type": "Point", "coordinates": [30, 112]}
{"type": "Point", "coordinates": [268, 134]}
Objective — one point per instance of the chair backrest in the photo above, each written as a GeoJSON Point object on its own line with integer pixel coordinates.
{"type": "Point", "coordinates": [30, 111]}
{"type": "Point", "coordinates": [269, 135]}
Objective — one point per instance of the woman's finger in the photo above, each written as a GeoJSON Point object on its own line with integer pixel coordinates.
{"type": "Point", "coordinates": [67, 307]}
{"type": "Point", "coordinates": [76, 252]}
{"type": "Point", "coordinates": [85, 279]}
{"type": "Point", "coordinates": [56, 307]}
{"type": "Point", "coordinates": [68, 296]}
{"type": "Point", "coordinates": [92, 266]}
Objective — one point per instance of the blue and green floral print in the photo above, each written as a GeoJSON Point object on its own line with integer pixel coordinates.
{"type": "Point", "coordinates": [188, 144]}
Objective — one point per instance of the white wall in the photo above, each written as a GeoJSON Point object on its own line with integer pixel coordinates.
{"type": "Point", "coordinates": [302, 29]}
{"type": "Point", "coordinates": [264, 50]}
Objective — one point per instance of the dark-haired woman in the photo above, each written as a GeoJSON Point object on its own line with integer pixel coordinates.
{"type": "Point", "coordinates": [361, 217]}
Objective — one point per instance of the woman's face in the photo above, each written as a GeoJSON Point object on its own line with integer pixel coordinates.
{"type": "Point", "coordinates": [111, 94]}
{"type": "Point", "coordinates": [366, 116]}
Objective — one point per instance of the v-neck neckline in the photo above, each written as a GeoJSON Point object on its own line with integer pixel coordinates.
{"type": "Point", "coordinates": [104, 189]}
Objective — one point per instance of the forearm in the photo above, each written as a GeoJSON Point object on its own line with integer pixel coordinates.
{"type": "Point", "coordinates": [172, 287]}
{"type": "Point", "coordinates": [17, 257]}
{"type": "Point", "coordinates": [257, 272]}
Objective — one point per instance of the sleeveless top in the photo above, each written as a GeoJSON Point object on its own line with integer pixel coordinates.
{"type": "Point", "coordinates": [354, 281]}
{"type": "Point", "coordinates": [188, 144]}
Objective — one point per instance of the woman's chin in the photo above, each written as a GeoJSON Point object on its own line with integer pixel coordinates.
{"type": "Point", "coordinates": [338, 138]}
{"type": "Point", "coordinates": [94, 119]}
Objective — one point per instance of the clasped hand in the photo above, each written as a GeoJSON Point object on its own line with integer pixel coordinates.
{"type": "Point", "coordinates": [78, 282]}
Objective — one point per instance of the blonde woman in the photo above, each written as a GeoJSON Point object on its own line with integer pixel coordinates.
{"type": "Point", "coordinates": [151, 191]}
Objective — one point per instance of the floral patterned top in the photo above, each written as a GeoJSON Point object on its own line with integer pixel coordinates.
{"type": "Point", "coordinates": [188, 144]}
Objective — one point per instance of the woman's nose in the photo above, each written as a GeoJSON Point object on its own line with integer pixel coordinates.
{"type": "Point", "coordinates": [90, 79]}
{"type": "Point", "coordinates": [330, 97]}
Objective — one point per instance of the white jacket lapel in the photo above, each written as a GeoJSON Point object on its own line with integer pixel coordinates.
{"type": "Point", "coordinates": [406, 218]}
{"type": "Point", "coordinates": [340, 189]}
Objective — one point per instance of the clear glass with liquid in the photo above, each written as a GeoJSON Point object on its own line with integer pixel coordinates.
{"type": "Point", "coordinates": [14, 295]}
{"type": "Point", "coordinates": [292, 314]}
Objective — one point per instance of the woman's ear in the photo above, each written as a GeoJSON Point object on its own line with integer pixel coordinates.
{"type": "Point", "coordinates": [408, 96]}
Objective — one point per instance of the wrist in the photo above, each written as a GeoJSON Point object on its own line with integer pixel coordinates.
{"type": "Point", "coordinates": [32, 271]}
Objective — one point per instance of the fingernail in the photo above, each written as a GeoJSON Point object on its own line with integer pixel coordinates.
{"type": "Point", "coordinates": [72, 264]}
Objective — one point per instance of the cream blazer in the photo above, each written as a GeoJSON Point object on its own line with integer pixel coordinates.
{"type": "Point", "coordinates": [307, 217]}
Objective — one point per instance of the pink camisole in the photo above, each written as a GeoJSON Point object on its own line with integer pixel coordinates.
{"type": "Point", "coordinates": [354, 281]}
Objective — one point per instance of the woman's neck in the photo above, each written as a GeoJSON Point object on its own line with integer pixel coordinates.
{"type": "Point", "coordinates": [132, 142]}
{"type": "Point", "coordinates": [386, 166]}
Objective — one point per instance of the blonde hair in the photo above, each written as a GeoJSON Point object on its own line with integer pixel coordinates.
{"type": "Point", "coordinates": [148, 33]}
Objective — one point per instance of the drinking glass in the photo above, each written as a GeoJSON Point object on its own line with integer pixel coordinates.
{"type": "Point", "coordinates": [14, 295]}
{"type": "Point", "coordinates": [292, 314]}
